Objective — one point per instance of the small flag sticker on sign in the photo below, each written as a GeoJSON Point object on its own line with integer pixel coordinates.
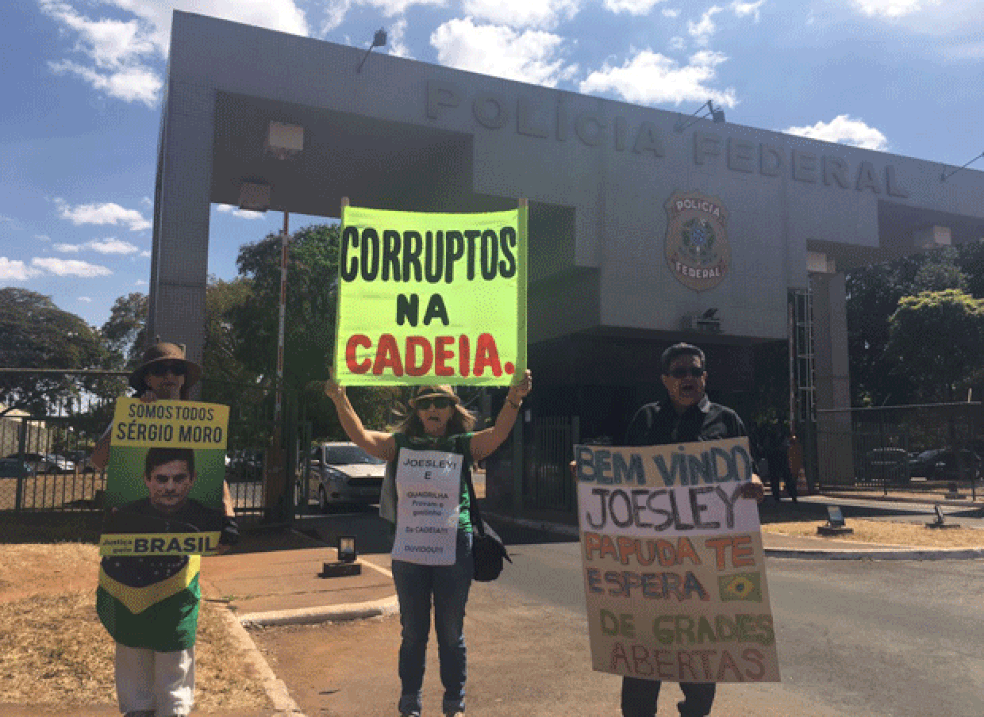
{"type": "Point", "coordinates": [743, 586]}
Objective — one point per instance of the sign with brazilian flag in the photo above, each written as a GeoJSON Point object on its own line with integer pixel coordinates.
{"type": "Point", "coordinates": [431, 298]}
{"type": "Point", "coordinates": [165, 478]}
{"type": "Point", "coordinates": [674, 570]}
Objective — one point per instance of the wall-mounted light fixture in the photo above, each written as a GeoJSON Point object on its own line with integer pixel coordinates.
{"type": "Point", "coordinates": [944, 176]}
{"type": "Point", "coordinates": [284, 141]}
{"type": "Point", "coordinates": [715, 113]}
{"type": "Point", "coordinates": [378, 40]}
{"type": "Point", "coordinates": [254, 196]}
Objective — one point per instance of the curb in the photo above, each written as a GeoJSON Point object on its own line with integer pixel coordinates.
{"type": "Point", "coordinates": [275, 688]}
{"type": "Point", "coordinates": [877, 554]}
{"type": "Point", "coordinates": [311, 616]}
{"type": "Point", "coordinates": [794, 553]}
{"type": "Point", "coordinates": [949, 503]}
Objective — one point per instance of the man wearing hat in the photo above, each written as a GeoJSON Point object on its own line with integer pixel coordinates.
{"type": "Point", "coordinates": [149, 605]}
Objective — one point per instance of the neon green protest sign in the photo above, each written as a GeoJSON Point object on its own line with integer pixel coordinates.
{"type": "Point", "coordinates": [431, 298]}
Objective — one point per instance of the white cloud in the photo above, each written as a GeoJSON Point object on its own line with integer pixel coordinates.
{"type": "Point", "coordinates": [42, 237]}
{"type": "Point", "coordinates": [100, 246]}
{"type": "Point", "coordinates": [140, 282]}
{"type": "Point", "coordinates": [237, 212]}
{"type": "Point", "coordinates": [112, 246]}
{"type": "Point", "coordinates": [973, 51]}
{"type": "Point", "coordinates": [671, 12]}
{"type": "Point", "coordinates": [651, 78]}
{"type": "Point", "coordinates": [741, 9]}
{"type": "Point", "coordinates": [892, 8]}
{"type": "Point", "coordinates": [677, 43]}
{"type": "Point", "coordinates": [122, 57]}
{"type": "Point", "coordinates": [529, 56]}
{"type": "Point", "coordinates": [105, 213]}
{"type": "Point", "coordinates": [85, 299]}
{"type": "Point", "coordinates": [15, 270]}
{"type": "Point", "coordinates": [844, 130]}
{"type": "Point", "coordinates": [542, 14]}
{"type": "Point", "coordinates": [397, 31]}
{"type": "Point", "coordinates": [131, 84]}
{"type": "Point", "coordinates": [632, 7]}
{"type": "Point", "coordinates": [70, 267]}
{"type": "Point", "coordinates": [335, 11]}
{"type": "Point", "coordinates": [147, 201]}
{"type": "Point", "coordinates": [702, 30]}
{"type": "Point", "coordinates": [145, 254]}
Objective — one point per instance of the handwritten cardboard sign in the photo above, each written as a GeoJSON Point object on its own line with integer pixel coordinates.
{"type": "Point", "coordinates": [431, 298]}
{"type": "Point", "coordinates": [674, 570]}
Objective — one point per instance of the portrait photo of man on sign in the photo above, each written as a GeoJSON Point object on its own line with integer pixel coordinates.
{"type": "Point", "coordinates": [169, 476]}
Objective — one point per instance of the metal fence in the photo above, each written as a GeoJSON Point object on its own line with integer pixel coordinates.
{"type": "Point", "coordinates": [547, 480]}
{"type": "Point", "coordinates": [900, 447]}
{"type": "Point", "coordinates": [44, 452]}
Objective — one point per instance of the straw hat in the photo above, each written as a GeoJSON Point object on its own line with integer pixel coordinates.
{"type": "Point", "coordinates": [162, 351]}
{"type": "Point", "coordinates": [441, 391]}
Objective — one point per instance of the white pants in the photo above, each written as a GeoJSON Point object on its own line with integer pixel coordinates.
{"type": "Point", "coordinates": [160, 681]}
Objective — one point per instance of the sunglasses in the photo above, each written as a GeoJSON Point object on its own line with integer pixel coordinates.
{"type": "Point", "coordinates": [426, 403]}
{"type": "Point", "coordinates": [693, 372]}
{"type": "Point", "coordinates": [175, 367]}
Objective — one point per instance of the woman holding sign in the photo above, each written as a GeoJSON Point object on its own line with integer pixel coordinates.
{"type": "Point", "coordinates": [430, 454]}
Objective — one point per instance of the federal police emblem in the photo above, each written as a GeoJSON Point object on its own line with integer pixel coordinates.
{"type": "Point", "coordinates": [697, 249]}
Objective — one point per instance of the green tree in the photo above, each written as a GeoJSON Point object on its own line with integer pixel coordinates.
{"type": "Point", "coordinates": [36, 334]}
{"type": "Point", "coordinates": [936, 340]}
{"type": "Point", "coordinates": [125, 330]}
{"type": "Point", "coordinates": [873, 295]}
{"type": "Point", "coordinates": [309, 326]}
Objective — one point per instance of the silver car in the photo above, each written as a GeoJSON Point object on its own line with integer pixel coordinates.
{"type": "Point", "coordinates": [341, 473]}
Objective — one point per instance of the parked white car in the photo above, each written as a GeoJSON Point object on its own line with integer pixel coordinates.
{"type": "Point", "coordinates": [341, 472]}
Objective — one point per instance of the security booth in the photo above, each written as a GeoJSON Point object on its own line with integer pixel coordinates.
{"type": "Point", "coordinates": [646, 227]}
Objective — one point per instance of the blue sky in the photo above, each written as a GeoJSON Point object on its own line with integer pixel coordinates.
{"type": "Point", "coordinates": [82, 80]}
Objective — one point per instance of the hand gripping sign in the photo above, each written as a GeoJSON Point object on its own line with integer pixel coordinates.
{"type": "Point", "coordinates": [674, 570]}
{"type": "Point", "coordinates": [164, 479]}
{"type": "Point", "coordinates": [431, 298]}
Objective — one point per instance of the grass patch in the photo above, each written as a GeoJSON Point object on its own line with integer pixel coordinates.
{"type": "Point", "coordinates": [913, 535]}
{"type": "Point", "coordinates": [54, 650]}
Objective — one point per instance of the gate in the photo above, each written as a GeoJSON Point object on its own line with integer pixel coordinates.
{"type": "Point", "coordinates": [900, 447]}
{"type": "Point", "coordinates": [547, 480]}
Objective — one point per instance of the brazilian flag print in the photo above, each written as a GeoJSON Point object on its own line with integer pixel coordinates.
{"type": "Point", "coordinates": [150, 602]}
{"type": "Point", "coordinates": [741, 586]}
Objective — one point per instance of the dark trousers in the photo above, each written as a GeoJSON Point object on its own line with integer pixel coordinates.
{"type": "Point", "coordinates": [639, 698]}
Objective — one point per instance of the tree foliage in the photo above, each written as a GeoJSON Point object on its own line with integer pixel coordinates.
{"type": "Point", "coordinates": [873, 295]}
{"type": "Point", "coordinates": [36, 334]}
{"type": "Point", "coordinates": [309, 332]}
{"type": "Point", "coordinates": [125, 331]}
{"type": "Point", "coordinates": [936, 340]}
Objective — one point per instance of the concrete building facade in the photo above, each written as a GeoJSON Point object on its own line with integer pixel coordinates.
{"type": "Point", "coordinates": [645, 228]}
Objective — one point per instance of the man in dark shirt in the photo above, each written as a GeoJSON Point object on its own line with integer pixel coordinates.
{"type": "Point", "coordinates": [688, 416]}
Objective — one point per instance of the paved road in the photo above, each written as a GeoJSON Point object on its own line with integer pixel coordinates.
{"type": "Point", "coordinates": [896, 639]}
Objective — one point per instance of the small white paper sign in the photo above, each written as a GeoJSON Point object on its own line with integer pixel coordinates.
{"type": "Point", "coordinates": [428, 488]}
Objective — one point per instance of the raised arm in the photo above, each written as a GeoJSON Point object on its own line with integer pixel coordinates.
{"type": "Point", "coordinates": [485, 442]}
{"type": "Point", "coordinates": [375, 443]}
